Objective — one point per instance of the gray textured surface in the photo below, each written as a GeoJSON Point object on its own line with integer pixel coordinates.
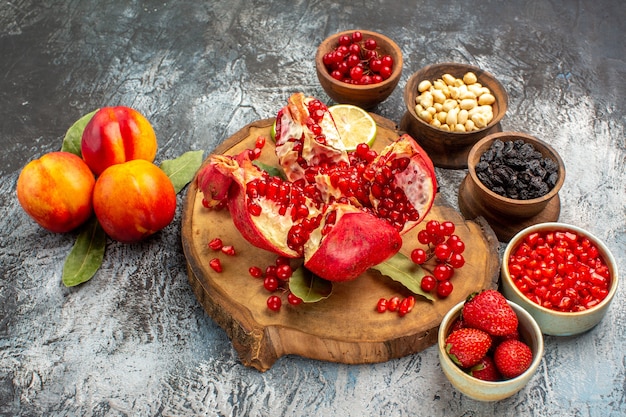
{"type": "Point", "coordinates": [134, 341]}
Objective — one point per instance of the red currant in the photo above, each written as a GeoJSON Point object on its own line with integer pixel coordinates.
{"type": "Point", "coordinates": [255, 272]}
{"type": "Point", "coordinates": [419, 256]}
{"type": "Point", "coordinates": [444, 288]}
{"type": "Point", "coordinates": [443, 272]}
{"type": "Point", "coordinates": [370, 44]}
{"type": "Point", "coordinates": [447, 228]}
{"type": "Point", "coordinates": [357, 36]}
{"type": "Point", "coordinates": [428, 283]}
{"type": "Point", "coordinates": [283, 272]}
{"type": "Point", "coordinates": [294, 299]}
{"type": "Point", "coordinates": [443, 251]}
{"type": "Point", "coordinates": [270, 283]}
{"type": "Point", "coordinates": [274, 302]}
{"type": "Point", "coordinates": [456, 260]}
{"type": "Point", "coordinates": [423, 237]}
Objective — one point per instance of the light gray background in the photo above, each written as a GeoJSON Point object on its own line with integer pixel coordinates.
{"type": "Point", "coordinates": [134, 340]}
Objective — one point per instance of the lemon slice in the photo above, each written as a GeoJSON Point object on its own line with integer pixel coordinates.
{"type": "Point", "coordinates": [354, 124]}
{"type": "Point", "coordinates": [273, 131]}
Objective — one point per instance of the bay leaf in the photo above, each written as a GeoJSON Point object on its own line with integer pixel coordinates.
{"type": "Point", "coordinates": [403, 270]}
{"type": "Point", "coordinates": [182, 169]}
{"type": "Point", "coordinates": [86, 255]}
{"type": "Point", "coordinates": [308, 286]}
{"type": "Point", "coordinates": [272, 170]}
{"type": "Point", "coordinates": [74, 135]}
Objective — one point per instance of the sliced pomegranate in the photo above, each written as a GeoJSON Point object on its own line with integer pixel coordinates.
{"type": "Point", "coordinates": [343, 212]}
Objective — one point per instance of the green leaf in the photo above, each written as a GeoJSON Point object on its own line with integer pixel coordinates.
{"type": "Point", "coordinates": [73, 136]}
{"type": "Point", "coordinates": [406, 272]}
{"type": "Point", "coordinates": [272, 170]}
{"type": "Point", "coordinates": [86, 255]}
{"type": "Point", "coordinates": [308, 286]}
{"type": "Point", "coordinates": [182, 169]}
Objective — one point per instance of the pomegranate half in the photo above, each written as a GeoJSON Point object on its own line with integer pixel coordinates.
{"type": "Point", "coordinates": [343, 212]}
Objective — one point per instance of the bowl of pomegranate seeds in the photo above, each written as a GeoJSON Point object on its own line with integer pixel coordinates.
{"type": "Point", "coordinates": [562, 275]}
{"type": "Point", "coordinates": [489, 347]}
{"type": "Point", "coordinates": [358, 67]}
{"type": "Point", "coordinates": [450, 107]}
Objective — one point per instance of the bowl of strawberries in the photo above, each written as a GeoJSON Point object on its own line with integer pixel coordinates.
{"type": "Point", "coordinates": [489, 347]}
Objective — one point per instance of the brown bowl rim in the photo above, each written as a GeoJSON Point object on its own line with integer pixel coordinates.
{"type": "Point", "coordinates": [504, 102]}
{"type": "Point", "coordinates": [518, 135]}
{"type": "Point", "coordinates": [393, 78]}
{"type": "Point", "coordinates": [557, 226]}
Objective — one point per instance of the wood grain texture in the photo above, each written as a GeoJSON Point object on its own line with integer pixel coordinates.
{"type": "Point", "coordinates": [345, 327]}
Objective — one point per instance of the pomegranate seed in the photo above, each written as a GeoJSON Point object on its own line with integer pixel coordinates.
{"type": "Point", "coordinates": [216, 264]}
{"type": "Point", "coordinates": [406, 305]}
{"type": "Point", "coordinates": [381, 306]}
{"type": "Point", "coordinates": [216, 244]}
{"type": "Point", "coordinates": [228, 250]}
{"type": "Point", "coordinates": [393, 303]}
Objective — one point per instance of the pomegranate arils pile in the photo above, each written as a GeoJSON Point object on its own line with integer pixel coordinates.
{"type": "Point", "coordinates": [560, 270]}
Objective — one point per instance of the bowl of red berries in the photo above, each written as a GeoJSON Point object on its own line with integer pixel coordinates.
{"type": "Point", "coordinates": [564, 276]}
{"type": "Point", "coordinates": [358, 67]}
{"type": "Point", "coordinates": [489, 347]}
{"type": "Point", "coordinates": [451, 106]}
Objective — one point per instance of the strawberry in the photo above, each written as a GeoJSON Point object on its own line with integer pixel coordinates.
{"type": "Point", "coordinates": [466, 346]}
{"type": "Point", "coordinates": [512, 358]}
{"type": "Point", "coordinates": [489, 311]}
{"type": "Point", "coordinates": [486, 370]}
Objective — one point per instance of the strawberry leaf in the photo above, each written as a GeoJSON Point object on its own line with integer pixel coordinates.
{"type": "Point", "coordinates": [86, 255]}
{"type": "Point", "coordinates": [406, 272]}
{"type": "Point", "coordinates": [308, 286]}
{"type": "Point", "coordinates": [182, 169]}
{"type": "Point", "coordinates": [74, 135]}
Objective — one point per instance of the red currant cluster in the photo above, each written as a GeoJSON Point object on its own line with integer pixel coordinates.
{"type": "Point", "coordinates": [446, 248]}
{"type": "Point", "coordinates": [402, 306]}
{"type": "Point", "coordinates": [275, 278]}
{"type": "Point", "coordinates": [358, 61]}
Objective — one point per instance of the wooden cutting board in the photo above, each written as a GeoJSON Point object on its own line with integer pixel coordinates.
{"type": "Point", "coordinates": [343, 328]}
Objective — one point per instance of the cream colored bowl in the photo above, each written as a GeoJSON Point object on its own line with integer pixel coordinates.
{"type": "Point", "coordinates": [553, 322]}
{"type": "Point", "coordinates": [487, 390]}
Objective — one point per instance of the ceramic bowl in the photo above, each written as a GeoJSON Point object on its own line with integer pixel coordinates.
{"type": "Point", "coordinates": [558, 323]}
{"type": "Point", "coordinates": [364, 96]}
{"type": "Point", "coordinates": [481, 390]}
{"type": "Point", "coordinates": [450, 149]}
{"type": "Point", "coordinates": [507, 216]}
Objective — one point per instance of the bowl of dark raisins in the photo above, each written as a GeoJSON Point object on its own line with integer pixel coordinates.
{"type": "Point", "coordinates": [513, 181]}
{"type": "Point", "coordinates": [451, 106]}
{"type": "Point", "coordinates": [358, 67]}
